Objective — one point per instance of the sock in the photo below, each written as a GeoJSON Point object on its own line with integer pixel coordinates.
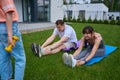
{"type": "Point", "coordinates": [43, 51]}
{"type": "Point", "coordinates": [74, 62]}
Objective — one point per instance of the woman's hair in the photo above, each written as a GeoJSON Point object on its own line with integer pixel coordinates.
{"type": "Point", "coordinates": [87, 30]}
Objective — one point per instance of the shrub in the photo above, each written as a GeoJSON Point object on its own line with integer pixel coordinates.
{"type": "Point", "coordinates": [106, 22]}
{"type": "Point", "coordinates": [65, 19]}
{"type": "Point", "coordinates": [83, 20]}
{"type": "Point", "coordinates": [118, 22]}
{"type": "Point", "coordinates": [89, 20]}
{"type": "Point", "coordinates": [100, 21]}
{"type": "Point", "coordinates": [95, 21]}
{"type": "Point", "coordinates": [69, 19]}
{"type": "Point", "coordinates": [74, 20]}
{"type": "Point", "coordinates": [112, 21]}
{"type": "Point", "coordinates": [64, 2]}
{"type": "Point", "coordinates": [78, 20]}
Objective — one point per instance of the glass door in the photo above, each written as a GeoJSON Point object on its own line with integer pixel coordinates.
{"type": "Point", "coordinates": [26, 11]}
{"type": "Point", "coordinates": [43, 10]}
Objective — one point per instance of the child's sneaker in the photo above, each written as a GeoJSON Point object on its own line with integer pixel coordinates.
{"type": "Point", "coordinates": [72, 61]}
{"type": "Point", "coordinates": [65, 58]}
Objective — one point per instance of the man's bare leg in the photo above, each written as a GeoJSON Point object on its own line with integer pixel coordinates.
{"type": "Point", "coordinates": [48, 50]}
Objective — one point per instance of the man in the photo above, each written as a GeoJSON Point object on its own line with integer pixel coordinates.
{"type": "Point", "coordinates": [8, 28]}
{"type": "Point", "coordinates": [67, 40]}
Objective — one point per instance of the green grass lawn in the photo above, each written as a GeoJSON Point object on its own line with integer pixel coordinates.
{"type": "Point", "coordinates": [51, 67]}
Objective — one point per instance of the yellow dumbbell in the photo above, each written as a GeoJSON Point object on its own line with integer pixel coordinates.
{"type": "Point", "coordinates": [9, 47]}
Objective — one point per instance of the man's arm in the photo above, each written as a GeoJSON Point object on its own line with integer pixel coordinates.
{"type": "Point", "coordinates": [9, 27]}
{"type": "Point", "coordinates": [60, 42]}
{"type": "Point", "coordinates": [49, 40]}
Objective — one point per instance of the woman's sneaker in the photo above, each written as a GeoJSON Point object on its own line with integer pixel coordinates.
{"type": "Point", "coordinates": [65, 58]}
{"type": "Point", "coordinates": [72, 61]}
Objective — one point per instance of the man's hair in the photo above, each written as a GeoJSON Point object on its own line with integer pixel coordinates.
{"type": "Point", "coordinates": [59, 22]}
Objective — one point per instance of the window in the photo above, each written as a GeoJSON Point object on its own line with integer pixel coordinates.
{"type": "Point", "coordinates": [118, 18]}
{"type": "Point", "coordinates": [69, 14]}
{"type": "Point", "coordinates": [82, 14]}
{"type": "Point", "coordinates": [36, 10]}
{"type": "Point", "coordinates": [43, 10]}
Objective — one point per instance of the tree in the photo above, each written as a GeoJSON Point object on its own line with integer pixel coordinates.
{"type": "Point", "coordinates": [113, 5]}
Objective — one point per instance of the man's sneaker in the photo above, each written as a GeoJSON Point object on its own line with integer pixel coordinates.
{"type": "Point", "coordinates": [65, 58]}
{"type": "Point", "coordinates": [72, 61]}
{"type": "Point", "coordinates": [39, 52]}
{"type": "Point", "coordinates": [33, 47]}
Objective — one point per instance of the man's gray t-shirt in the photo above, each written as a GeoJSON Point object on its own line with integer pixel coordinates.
{"type": "Point", "coordinates": [68, 32]}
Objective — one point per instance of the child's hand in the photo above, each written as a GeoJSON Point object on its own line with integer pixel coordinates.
{"type": "Point", "coordinates": [10, 41]}
{"type": "Point", "coordinates": [79, 63]}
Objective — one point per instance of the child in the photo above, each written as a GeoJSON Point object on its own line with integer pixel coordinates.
{"type": "Point", "coordinates": [9, 28]}
{"type": "Point", "coordinates": [94, 45]}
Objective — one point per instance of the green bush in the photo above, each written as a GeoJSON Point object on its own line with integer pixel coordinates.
{"type": "Point", "coordinates": [69, 19]}
{"type": "Point", "coordinates": [74, 20]}
{"type": "Point", "coordinates": [89, 20]}
{"type": "Point", "coordinates": [113, 22]}
{"type": "Point", "coordinates": [118, 22]}
{"type": "Point", "coordinates": [65, 19]}
{"type": "Point", "coordinates": [78, 20]}
{"type": "Point", "coordinates": [83, 20]}
{"type": "Point", "coordinates": [95, 21]}
{"type": "Point", "coordinates": [64, 2]}
{"type": "Point", "coordinates": [100, 21]}
{"type": "Point", "coordinates": [106, 22]}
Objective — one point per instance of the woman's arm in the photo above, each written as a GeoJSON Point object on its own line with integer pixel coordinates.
{"type": "Point", "coordinates": [80, 47]}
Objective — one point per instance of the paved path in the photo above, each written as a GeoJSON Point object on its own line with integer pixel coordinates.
{"type": "Point", "coordinates": [33, 27]}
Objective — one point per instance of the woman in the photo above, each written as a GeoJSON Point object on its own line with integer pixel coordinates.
{"type": "Point", "coordinates": [94, 45]}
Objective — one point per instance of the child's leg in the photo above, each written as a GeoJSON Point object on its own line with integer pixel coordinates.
{"type": "Point", "coordinates": [19, 55]}
{"type": "Point", "coordinates": [100, 52]}
{"type": "Point", "coordinates": [5, 61]}
{"type": "Point", "coordinates": [5, 64]}
{"type": "Point", "coordinates": [83, 54]}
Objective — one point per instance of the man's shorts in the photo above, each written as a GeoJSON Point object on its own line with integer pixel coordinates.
{"type": "Point", "coordinates": [70, 45]}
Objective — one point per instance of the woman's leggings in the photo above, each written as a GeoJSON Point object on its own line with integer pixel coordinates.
{"type": "Point", "coordinates": [84, 54]}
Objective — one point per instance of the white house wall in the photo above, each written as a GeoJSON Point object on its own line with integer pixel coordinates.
{"type": "Point", "coordinates": [56, 10]}
{"type": "Point", "coordinates": [114, 14]}
{"type": "Point", "coordinates": [91, 10]}
{"type": "Point", "coordinates": [18, 4]}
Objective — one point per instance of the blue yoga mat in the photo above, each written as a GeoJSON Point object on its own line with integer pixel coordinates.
{"type": "Point", "coordinates": [109, 49]}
